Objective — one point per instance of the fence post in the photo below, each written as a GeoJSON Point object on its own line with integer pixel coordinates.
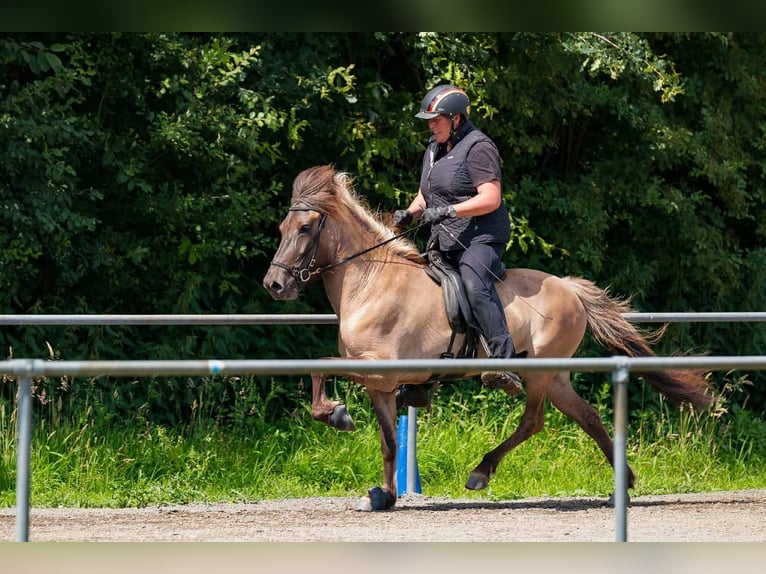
{"type": "Point", "coordinates": [620, 497]}
{"type": "Point", "coordinates": [23, 448]}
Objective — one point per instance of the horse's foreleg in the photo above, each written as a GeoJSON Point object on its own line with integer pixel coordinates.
{"type": "Point", "coordinates": [565, 399]}
{"type": "Point", "coordinates": [384, 497]}
{"type": "Point", "coordinates": [332, 413]}
{"type": "Point", "coordinates": [532, 422]}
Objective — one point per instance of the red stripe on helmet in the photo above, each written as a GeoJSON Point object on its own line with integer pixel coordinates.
{"type": "Point", "coordinates": [441, 95]}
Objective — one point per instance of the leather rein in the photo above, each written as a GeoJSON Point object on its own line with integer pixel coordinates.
{"type": "Point", "coordinates": [303, 272]}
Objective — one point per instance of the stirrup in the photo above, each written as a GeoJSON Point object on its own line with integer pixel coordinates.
{"type": "Point", "coordinates": [418, 396]}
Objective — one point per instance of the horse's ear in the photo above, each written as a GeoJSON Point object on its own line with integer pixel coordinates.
{"type": "Point", "coordinates": [315, 172]}
{"type": "Point", "coordinates": [329, 174]}
{"type": "Point", "coordinates": [311, 179]}
{"type": "Point", "coordinates": [323, 175]}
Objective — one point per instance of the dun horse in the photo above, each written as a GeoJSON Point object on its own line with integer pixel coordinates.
{"type": "Point", "coordinates": [389, 308]}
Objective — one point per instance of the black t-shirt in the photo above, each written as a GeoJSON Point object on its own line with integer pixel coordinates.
{"type": "Point", "coordinates": [452, 177]}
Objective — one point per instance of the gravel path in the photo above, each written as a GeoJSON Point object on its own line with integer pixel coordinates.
{"type": "Point", "coordinates": [738, 516]}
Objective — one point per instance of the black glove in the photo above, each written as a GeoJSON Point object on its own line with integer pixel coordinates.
{"type": "Point", "coordinates": [438, 214]}
{"type": "Point", "coordinates": [402, 217]}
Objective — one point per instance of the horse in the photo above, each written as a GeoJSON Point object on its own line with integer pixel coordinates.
{"type": "Point", "coordinates": [388, 307]}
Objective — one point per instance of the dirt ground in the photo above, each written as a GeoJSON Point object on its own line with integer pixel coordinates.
{"type": "Point", "coordinates": [738, 516]}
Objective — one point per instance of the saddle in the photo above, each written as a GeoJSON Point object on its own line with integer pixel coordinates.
{"type": "Point", "coordinates": [457, 306]}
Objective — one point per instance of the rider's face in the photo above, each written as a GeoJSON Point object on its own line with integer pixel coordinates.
{"type": "Point", "coordinates": [440, 126]}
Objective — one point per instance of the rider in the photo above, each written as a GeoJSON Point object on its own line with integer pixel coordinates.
{"type": "Point", "coordinates": [460, 195]}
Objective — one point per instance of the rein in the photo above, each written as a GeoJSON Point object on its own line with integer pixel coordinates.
{"type": "Point", "coordinates": [302, 274]}
{"type": "Point", "coordinates": [355, 255]}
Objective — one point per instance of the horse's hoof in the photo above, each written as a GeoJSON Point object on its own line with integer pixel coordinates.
{"type": "Point", "coordinates": [340, 419]}
{"type": "Point", "coordinates": [377, 499]}
{"type": "Point", "coordinates": [477, 481]}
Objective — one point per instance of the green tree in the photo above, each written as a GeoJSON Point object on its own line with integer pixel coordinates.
{"type": "Point", "coordinates": [147, 173]}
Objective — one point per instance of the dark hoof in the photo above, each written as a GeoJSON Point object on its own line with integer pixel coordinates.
{"type": "Point", "coordinates": [477, 481]}
{"type": "Point", "coordinates": [377, 499]}
{"type": "Point", "coordinates": [340, 419]}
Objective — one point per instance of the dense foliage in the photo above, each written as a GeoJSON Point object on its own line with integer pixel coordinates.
{"type": "Point", "coordinates": [147, 173]}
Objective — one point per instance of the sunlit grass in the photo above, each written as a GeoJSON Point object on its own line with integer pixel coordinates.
{"type": "Point", "coordinates": [96, 464]}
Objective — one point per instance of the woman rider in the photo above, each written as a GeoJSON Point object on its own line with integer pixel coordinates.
{"type": "Point", "coordinates": [460, 195]}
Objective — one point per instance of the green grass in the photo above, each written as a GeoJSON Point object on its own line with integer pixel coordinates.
{"type": "Point", "coordinates": [90, 463]}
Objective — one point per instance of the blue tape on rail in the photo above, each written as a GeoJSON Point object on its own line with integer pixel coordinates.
{"type": "Point", "coordinates": [214, 366]}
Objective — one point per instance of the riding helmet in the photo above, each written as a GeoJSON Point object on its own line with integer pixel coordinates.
{"type": "Point", "coordinates": [445, 99]}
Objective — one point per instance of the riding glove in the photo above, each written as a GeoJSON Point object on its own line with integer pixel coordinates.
{"type": "Point", "coordinates": [402, 217]}
{"type": "Point", "coordinates": [438, 214]}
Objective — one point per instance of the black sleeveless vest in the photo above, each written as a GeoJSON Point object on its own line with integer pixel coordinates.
{"type": "Point", "coordinates": [446, 181]}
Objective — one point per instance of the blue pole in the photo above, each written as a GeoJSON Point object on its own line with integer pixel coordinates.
{"type": "Point", "coordinates": [401, 456]}
{"type": "Point", "coordinates": [405, 457]}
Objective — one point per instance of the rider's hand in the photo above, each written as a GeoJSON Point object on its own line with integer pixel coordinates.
{"type": "Point", "coordinates": [438, 214]}
{"type": "Point", "coordinates": [402, 217]}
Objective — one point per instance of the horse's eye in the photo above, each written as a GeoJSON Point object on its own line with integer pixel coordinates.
{"type": "Point", "coordinates": [304, 228]}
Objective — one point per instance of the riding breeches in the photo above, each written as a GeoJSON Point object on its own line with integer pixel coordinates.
{"type": "Point", "coordinates": [480, 265]}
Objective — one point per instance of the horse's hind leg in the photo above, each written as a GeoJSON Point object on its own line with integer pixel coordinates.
{"type": "Point", "coordinates": [332, 413]}
{"type": "Point", "coordinates": [532, 422]}
{"type": "Point", "coordinates": [565, 399]}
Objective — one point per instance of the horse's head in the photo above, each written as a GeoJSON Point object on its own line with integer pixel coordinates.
{"type": "Point", "coordinates": [323, 199]}
{"type": "Point", "coordinates": [294, 263]}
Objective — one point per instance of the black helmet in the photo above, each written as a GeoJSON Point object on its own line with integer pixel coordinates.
{"type": "Point", "coordinates": [445, 99]}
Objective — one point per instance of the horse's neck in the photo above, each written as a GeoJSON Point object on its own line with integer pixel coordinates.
{"type": "Point", "coordinates": [351, 283]}
{"type": "Point", "coordinates": [346, 277]}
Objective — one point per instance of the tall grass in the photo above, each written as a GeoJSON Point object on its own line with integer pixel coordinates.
{"type": "Point", "coordinates": [95, 461]}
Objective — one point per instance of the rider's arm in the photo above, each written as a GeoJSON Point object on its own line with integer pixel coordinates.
{"type": "Point", "coordinates": [488, 199]}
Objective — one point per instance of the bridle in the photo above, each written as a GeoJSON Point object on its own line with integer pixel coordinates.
{"type": "Point", "coordinates": [303, 272]}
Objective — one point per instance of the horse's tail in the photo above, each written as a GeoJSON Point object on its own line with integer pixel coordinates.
{"type": "Point", "coordinates": [611, 329]}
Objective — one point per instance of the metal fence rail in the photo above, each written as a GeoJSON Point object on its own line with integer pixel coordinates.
{"type": "Point", "coordinates": [26, 369]}
{"type": "Point", "coordinates": [318, 319]}
{"type": "Point", "coordinates": [166, 319]}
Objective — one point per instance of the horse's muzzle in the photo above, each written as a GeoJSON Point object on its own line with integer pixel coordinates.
{"type": "Point", "coordinates": [280, 285]}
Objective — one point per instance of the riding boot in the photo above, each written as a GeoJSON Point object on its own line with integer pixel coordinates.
{"type": "Point", "coordinates": [502, 348]}
{"type": "Point", "coordinates": [418, 396]}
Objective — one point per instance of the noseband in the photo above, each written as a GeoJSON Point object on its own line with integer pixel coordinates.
{"type": "Point", "coordinates": [303, 272]}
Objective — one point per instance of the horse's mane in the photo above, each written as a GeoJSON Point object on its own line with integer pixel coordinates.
{"type": "Point", "coordinates": [332, 192]}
